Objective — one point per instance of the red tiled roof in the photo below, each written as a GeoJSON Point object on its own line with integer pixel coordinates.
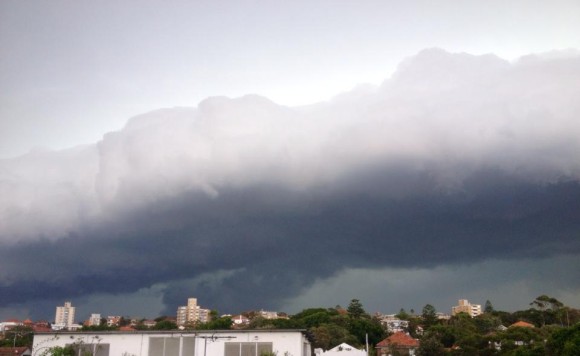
{"type": "Point", "coordinates": [41, 328]}
{"type": "Point", "coordinates": [399, 339]}
{"type": "Point", "coordinates": [523, 324]}
{"type": "Point", "coordinates": [12, 351]}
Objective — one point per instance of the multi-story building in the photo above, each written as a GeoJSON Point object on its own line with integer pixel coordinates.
{"type": "Point", "coordinates": [192, 313]}
{"type": "Point", "coordinates": [394, 324]}
{"type": "Point", "coordinates": [94, 320]}
{"type": "Point", "coordinates": [65, 315]}
{"type": "Point", "coordinates": [465, 307]}
{"type": "Point", "coordinates": [268, 314]}
{"type": "Point", "coordinates": [181, 315]}
{"type": "Point", "coordinates": [113, 320]}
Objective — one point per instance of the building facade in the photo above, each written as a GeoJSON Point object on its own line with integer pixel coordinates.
{"type": "Point", "coordinates": [94, 320]}
{"type": "Point", "coordinates": [179, 343]}
{"type": "Point", "coordinates": [192, 313]}
{"type": "Point", "coordinates": [65, 316]}
{"type": "Point", "coordinates": [399, 343]}
{"type": "Point", "coordinates": [465, 307]}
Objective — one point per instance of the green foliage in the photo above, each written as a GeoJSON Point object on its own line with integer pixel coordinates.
{"type": "Point", "coordinates": [549, 309]}
{"type": "Point", "coordinates": [355, 309]}
{"type": "Point", "coordinates": [445, 334]}
{"type": "Point", "coordinates": [486, 323]}
{"type": "Point", "coordinates": [59, 351]}
{"type": "Point", "coordinates": [403, 315]}
{"type": "Point", "coordinates": [286, 324]}
{"type": "Point", "coordinates": [328, 336]}
{"type": "Point", "coordinates": [19, 336]}
{"type": "Point", "coordinates": [505, 317]}
{"type": "Point", "coordinates": [359, 328]}
{"type": "Point", "coordinates": [431, 346]}
{"type": "Point", "coordinates": [165, 325]}
{"type": "Point", "coordinates": [223, 323]}
{"type": "Point", "coordinates": [565, 341]}
{"type": "Point", "coordinates": [259, 322]}
{"type": "Point", "coordinates": [429, 316]}
{"type": "Point", "coordinates": [488, 307]}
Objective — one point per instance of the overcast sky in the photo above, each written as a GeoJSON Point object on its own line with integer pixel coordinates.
{"type": "Point", "coordinates": [397, 152]}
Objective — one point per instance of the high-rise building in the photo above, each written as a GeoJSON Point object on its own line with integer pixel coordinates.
{"type": "Point", "coordinates": [181, 315]}
{"type": "Point", "coordinates": [465, 307]}
{"type": "Point", "coordinates": [192, 313]}
{"type": "Point", "coordinates": [95, 320]}
{"type": "Point", "coordinates": [65, 315]}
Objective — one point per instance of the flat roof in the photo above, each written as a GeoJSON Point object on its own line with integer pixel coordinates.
{"type": "Point", "coordinates": [170, 331]}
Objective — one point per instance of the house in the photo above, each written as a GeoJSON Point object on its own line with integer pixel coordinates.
{"type": "Point", "coordinates": [15, 351]}
{"type": "Point", "coordinates": [9, 324]}
{"type": "Point", "coordinates": [149, 323]}
{"type": "Point", "coordinates": [341, 350]}
{"type": "Point", "coordinates": [399, 343]}
{"type": "Point", "coordinates": [240, 320]}
{"type": "Point", "coordinates": [394, 324]}
{"type": "Point", "coordinates": [522, 324]}
{"type": "Point", "coordinates": [179, 343]}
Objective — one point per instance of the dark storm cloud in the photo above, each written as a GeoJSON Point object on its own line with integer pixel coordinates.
{"type": "Point", "coordinates": [456, 159]}
{"type": "Point", "coordinates": [278, 251]}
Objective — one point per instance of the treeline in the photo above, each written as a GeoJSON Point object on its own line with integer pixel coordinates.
{"type": "Point", "coordinates": [555, 331]}
{"type": "Point", "coordinates": [550, 328]}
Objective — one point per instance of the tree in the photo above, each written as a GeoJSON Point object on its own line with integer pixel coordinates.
{"type": "Point", "coordinates": [223, 323]}
{"type": "Point", "coordinates": [429, 315]}
{"type": "Point", "coordinates": [59, 351]}
{"type": "Point", "coordinates": [355, 309]}
{"type": "Point", "coordinates": [328, 336]}
{"type": "Point", "coordinates": [565, 341]}
{"type": "Point", "coordinates": [445, 334]}
{"type": "Point", "coordinates": [430, 346]}
{"type": "Point", "coordinates": [549, 308]}
{"type": "Point", "coordinates": [165, 325]}
{"type": "Point", "coordinates": [213, 314]}
{"type": "Point", "coordinates": [488, 307]}
{"type": "Point", "coordinates": [487, 323]}
{"type": "Point", "coordinates": [362, 327]}
{"type": "Point", "coordinates": [403, 315]}
{"type": "Point", "coordinates": [17, 336]}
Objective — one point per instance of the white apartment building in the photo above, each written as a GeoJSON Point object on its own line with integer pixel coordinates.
{"type": "Point", "coordinates": [192, 313]}
{"type": "Point", "coordinates": [394, 324]}
{"type": "Point", "coordinates": [268, 314]}
{"type": "Point", "coordinates": [113, 320]}
{"type": "Point", "coordinates": [65, 316]}
{"type": "Point", "coordinates": [465, 307]}
{"type": "Point", "coordinates": [95, 320]}
{"type": "Point", "coordinates": [179, 343]}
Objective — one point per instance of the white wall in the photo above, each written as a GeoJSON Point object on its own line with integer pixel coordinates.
{"type": "Point", "coordinates": [285, 343]}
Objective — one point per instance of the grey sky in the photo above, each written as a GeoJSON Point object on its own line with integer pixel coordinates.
{"type": "Point", "coordinates": [457, 167]}
{"type": "Point", "coordinates": [71, 71]}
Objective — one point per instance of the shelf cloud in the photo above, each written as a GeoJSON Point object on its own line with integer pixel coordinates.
{"type": "Point", "coordinates": [454, 159]}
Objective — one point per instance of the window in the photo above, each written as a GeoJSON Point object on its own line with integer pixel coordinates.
{"type": "Point", "coordinates": [247, 348]}
{"type": "Point", "coordinates": [90, 349]}
{"type": "Point", "coordinates": [163, 346]}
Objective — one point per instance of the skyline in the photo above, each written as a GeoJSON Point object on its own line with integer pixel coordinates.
{"type": "Point", "coordinates": [281, 155]}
